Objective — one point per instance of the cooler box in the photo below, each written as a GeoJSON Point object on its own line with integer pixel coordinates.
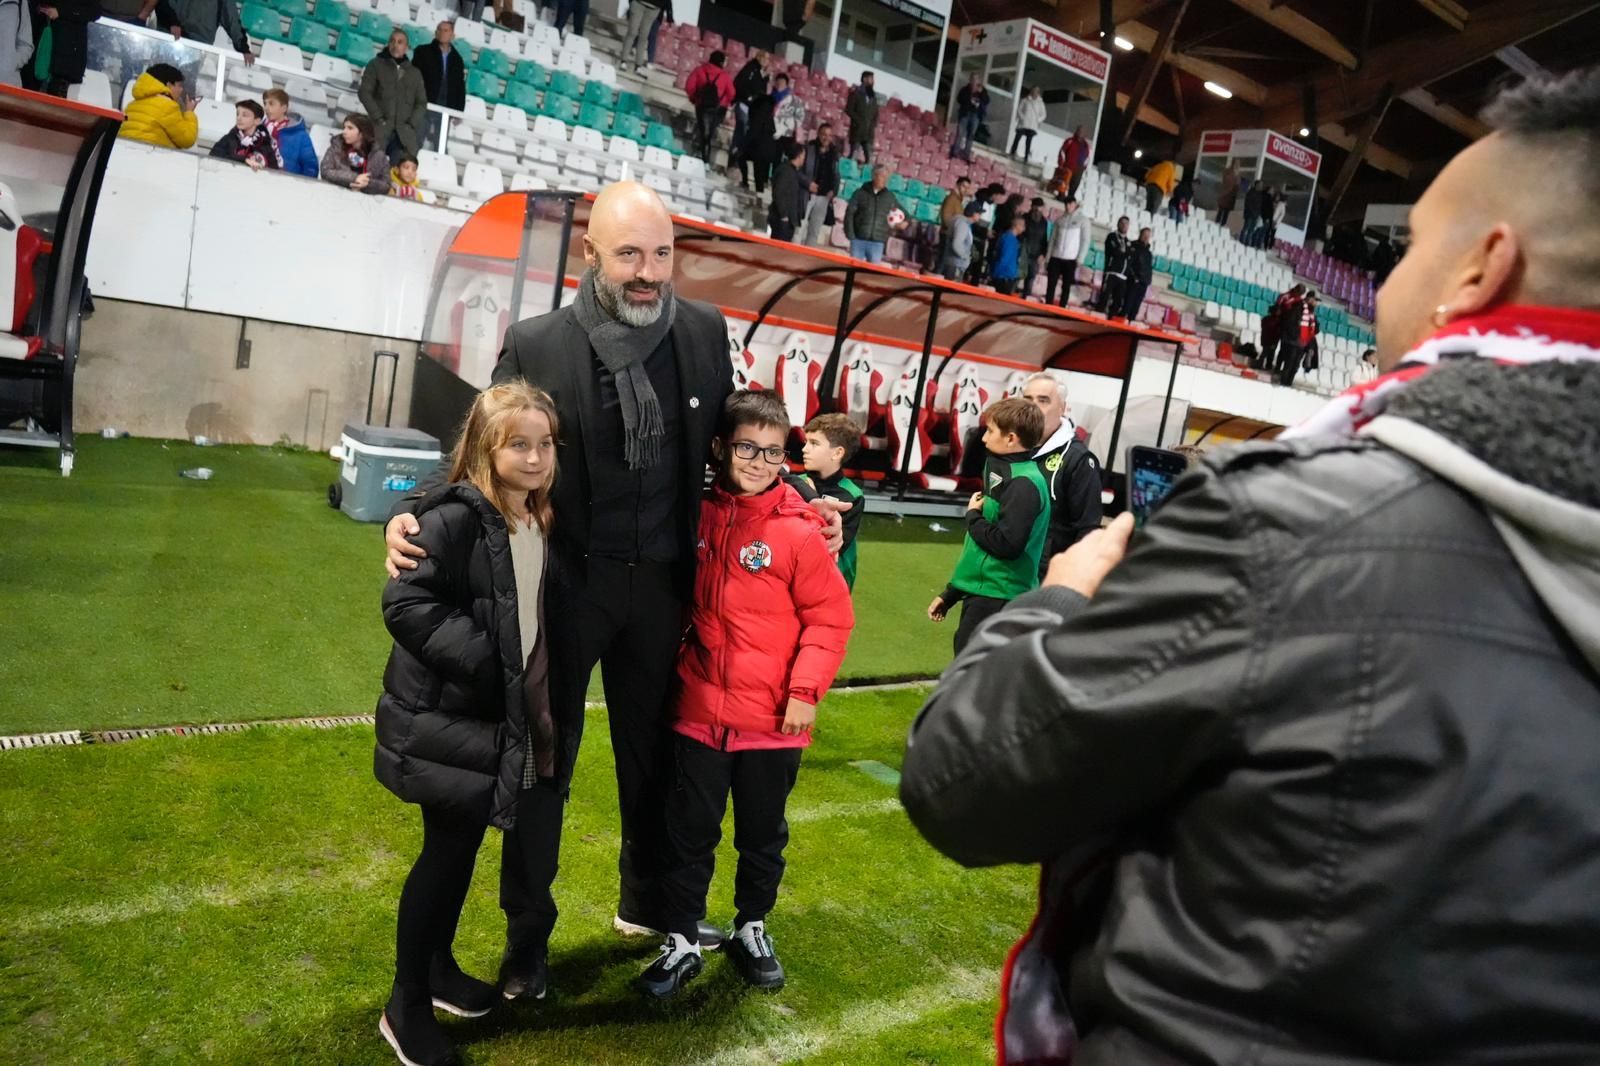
{"type": "Point", "coordinates": [380, 466]}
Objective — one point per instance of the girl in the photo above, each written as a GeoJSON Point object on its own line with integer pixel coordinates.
{"type": "Point", "coordinates": [464, 726]}
{"type": "Point", "coordinates": [354, 160]}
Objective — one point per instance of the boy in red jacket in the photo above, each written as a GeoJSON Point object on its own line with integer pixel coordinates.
{"type": "Point", "coordinates": [769, 624]}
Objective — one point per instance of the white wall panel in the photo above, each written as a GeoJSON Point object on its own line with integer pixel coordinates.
{"type": "Point", "coordinates": [139, 247]}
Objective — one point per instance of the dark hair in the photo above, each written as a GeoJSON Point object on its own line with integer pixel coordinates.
{"type": "Point", "coordinates": [1038, 201]}
{"type": "Point", "coordinates": [1019, 416]}
{"type": "Point", "coordinates": [1145, 230]}
{"type": "Point", "coordinates": [973, 208]}
{"type": "Point", "coordinates": [841, 431]}
{"type": "Point", "coordinates": [1121, 220]}
{"type": "Point", "coordinates": [782, 75]}
{"type": "Point", "coordinates": [401, 158]}
{"type": "Point", "coordinates": [963, 178]}
{"type": "Point", "coordinates": [1069, 201]}
{"type": "Point", "coordinates": [1555, 110]}
{"type": "Point", "coordinates": [364, 126]}
{"type": "Point", "coordinates": [716, 59]}
{"type": "Point", "coordinates": [165, 73]}
{"type": "Point", "coordinates": [252, 107]}
{"type": "Point", "coordinates": [752, 409]}
{"type": "Point", "coordinates": [824, 126]}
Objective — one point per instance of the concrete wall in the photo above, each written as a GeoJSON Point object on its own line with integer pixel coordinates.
{"type": "Point", "coordinates": [165, 372]}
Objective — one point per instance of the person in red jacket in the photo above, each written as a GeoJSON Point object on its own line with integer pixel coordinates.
{"type": "Point", "coordinates": [710, 90]}
{"type": "Point", "coordinates": [768, 629]}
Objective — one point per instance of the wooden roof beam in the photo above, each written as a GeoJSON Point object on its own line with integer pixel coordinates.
{"type": "Point", "coordinates": [1377, 155]}
{"type": "Point", "coordinates": [1145, 39]}
{"type": "Point", "coordinates": [1444, 114]}
{"type": "Point", "coordinates": [1149, 116]}
{"type": "Point", "coordinates": [1288, 21]}
{"type": "Point", "coordinates": [1451, 13]}
{"type": "Point", "coordinates": [1152, 67]}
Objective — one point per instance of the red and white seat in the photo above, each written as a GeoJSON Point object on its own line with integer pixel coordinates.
{"type": "Point", "coordinates": [861, 396]}
{"type": "Point", "coordinates": [20, 247]}
{"type": "Point", "coordinates": [902, 397]}
{"type": "Point", "coordinates": [795, 379]}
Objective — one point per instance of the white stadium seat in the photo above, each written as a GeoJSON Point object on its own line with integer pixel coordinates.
{"type": "Point", "coordinates": [483, 181]}
{"type": "Point", "coordinates": [438, 172]}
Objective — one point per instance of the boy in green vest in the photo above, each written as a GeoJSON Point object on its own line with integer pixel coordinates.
{"type": "Point", "coordinates": [830, 442]}
{"type": "Point", "coordinates": [1006, 523]}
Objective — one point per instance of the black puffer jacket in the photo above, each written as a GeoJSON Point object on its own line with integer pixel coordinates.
{"type": "Point", "coordinates": [1336, 720]}
{"type": "Point", "coordinates": [454, 718]}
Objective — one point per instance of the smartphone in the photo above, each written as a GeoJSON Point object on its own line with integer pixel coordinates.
{"type": "Point", "coordinates": [1151, 474]}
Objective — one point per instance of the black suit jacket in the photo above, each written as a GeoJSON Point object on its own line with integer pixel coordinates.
{"type": "Point", "coordinates": [553, 353]}
{"type": "Point", "coordinates": [429, 61]}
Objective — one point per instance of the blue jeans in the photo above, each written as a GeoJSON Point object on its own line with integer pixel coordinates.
{"type": "Point", "coordinates": [871, 251]}
{"type": "Point", "coordinates": [966, 130]}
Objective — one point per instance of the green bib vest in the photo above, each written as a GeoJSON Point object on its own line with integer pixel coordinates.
{"type": "Point", "coordinates": [847, 557]}
{"type": "Point", "coordinates": [980, 574]}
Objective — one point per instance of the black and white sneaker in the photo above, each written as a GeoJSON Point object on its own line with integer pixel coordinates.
{"type": "Point", "coordinates": [631, 925]}
{"type": "Point", "coordinates": [750, 948]}
{"type": "Point", "coordinates": [677, 965]}
{"type": "Point", "coordinates": [457, 992]}
{"type": "Point", "coordinates": [416, 1036]}
{"type": "Point", "coordinates": [524, 977]}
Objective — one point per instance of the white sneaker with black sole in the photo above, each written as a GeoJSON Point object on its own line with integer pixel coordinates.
{"type": "Point", "coordinates": [750, 949]}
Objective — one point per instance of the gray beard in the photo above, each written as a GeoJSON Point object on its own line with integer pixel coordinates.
{"type": "Point", "coordinates": [616, 304]}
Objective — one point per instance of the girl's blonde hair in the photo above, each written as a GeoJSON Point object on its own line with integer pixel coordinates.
{"type": "Point", "coordinates": [487, 427]}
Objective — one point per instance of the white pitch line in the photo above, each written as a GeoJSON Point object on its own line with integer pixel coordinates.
{"type": "Point", "coordinates": [862, 1022]}
{"type": "Point", "coordinates": [824, 811]}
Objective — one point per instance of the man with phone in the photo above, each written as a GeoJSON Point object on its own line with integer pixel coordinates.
{"type": "Point", "coordinates": [1070, 467]}
{"type": "Point", "coordinates": [1312, 769]}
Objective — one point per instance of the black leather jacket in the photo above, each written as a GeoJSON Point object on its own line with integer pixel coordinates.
{"type": "Point", "coordinates": [1336, 719]}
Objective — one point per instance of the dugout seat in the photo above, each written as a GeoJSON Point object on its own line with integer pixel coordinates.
{"type": "Point", "coordinates": [20, 247]}
{"type": "Point", "coordinates": [861, 396]}
{"type": "Point", "coordinates": [967, 403]}
{"type": "Point", "coordinates": [902, 429]}
{"type": "Point", "coordinates": [795, 378]}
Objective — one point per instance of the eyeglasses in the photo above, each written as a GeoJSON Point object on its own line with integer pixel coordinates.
{"type": "Point", "coordinates": [746, 449]}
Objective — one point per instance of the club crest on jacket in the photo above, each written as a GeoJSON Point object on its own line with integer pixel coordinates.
{"type": "Point", "coordinates": [755, 556]}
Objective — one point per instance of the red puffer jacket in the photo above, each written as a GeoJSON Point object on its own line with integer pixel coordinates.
{"type": "Point", "coordinates": [771, 612]}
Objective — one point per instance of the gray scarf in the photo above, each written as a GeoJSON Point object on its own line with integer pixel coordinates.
{"type": "Point", "coordinates": [622, 350]}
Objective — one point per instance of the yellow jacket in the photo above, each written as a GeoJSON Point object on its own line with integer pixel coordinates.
{"type": "Point", "coordinates": [1164, 175]}
{"type": "Point", "coordinates": [156, 118]}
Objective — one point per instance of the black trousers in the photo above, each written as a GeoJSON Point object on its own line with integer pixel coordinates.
{"type": "Point", "coordinates": [707, 120]}
{"type": "Point", "coordinates": [435, 889]}
{"type": "Point", "coordinates": [704, 777]}
{"type": "Point", "coordinates": [1113, 290]}
{"type": "Point", "coordinates": [763, 172]}
{"type": "Point", "coordinates": [1018, 139]}
{"type": "Point", "coordinates": [530, 856]}
{"type": "Point", "coordinates": [1288, 362]}
{"type": "Point", "coordinates": [1031, 273]}
{"type": "Point", "coordinates": [1132, 298]}
{"type": "Point", "coordinates": [628, 619]}
{"type": "Point", "coordinates": [1062, 271]}
{"type": "Point", "coordinates": [781, 230]}
{"type": "Point", "coordinates": [1005, 286]}
{"type": "Point", "coordinates": [1152, 198]}
{"type": "Point", "coordinates": [975, 610]}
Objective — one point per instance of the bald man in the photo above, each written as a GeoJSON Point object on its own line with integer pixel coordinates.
{"type": "Point", "coordinates": [1331, 730]}
{"type": "Point", "coordinates": [638, 377]}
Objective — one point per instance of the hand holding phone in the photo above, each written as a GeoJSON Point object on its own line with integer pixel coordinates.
{"type": "Point", "coordinates": [1151, 474]}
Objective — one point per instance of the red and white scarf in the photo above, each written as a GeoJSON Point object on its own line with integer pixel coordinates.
{"type": "Point", "coordinates": [1510, 335]}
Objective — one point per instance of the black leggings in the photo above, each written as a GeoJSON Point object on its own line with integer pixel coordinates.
{"type": "Point", "coordinates": [430, 902]}
{"type": "Point", "coordinates": [1018, 139]}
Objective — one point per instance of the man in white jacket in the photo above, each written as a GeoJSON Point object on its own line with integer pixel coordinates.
{"type": "Point", "coordinates": [1068, 241]}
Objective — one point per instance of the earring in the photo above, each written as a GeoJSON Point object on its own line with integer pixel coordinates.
{"type": "Point", "coordinates": [1441, 316]}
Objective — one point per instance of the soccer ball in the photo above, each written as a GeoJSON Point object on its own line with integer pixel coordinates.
{"type": "Point", "coordinates": [897, 217]}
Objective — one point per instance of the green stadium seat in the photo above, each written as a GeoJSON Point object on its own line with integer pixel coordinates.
{"type": "Point", "coordinates": [596, 92]}
{"type": "Point", "coordinates": [378, 27]}
{"type": "Point", "coordinates": [262, 22]}
{"type": "Point", "coordinates": [849, 170]}
{"type": "Point", "coordinates": [292, 8]}
{"type": "Point", "coordinates": [331, 13]}
{"type": "Point", "coordinates": [523, 96]}
{"type": "Point", "coordinates": [632, 127]}
{"type": "Point", "coordinates": [595, 117]}
{"type": "Point", "coordinates": [915, 189]}
{"type": "Point", "coordinates": [897, 183]}
{"type": "Point", "coordinates": [565, 83]}
{"type": "Point", "coordinates": [561, 108]}
{"type": "Point", "coordinates": [630, 104]}
{"type": "Point", "coordinates": [660, 136]}
{"type": "Point", "coordinates": [1162, 265]}
{"type": "Point", "coordinates": [417, 36]}
{"type": "Point", "coordinates": [357, 50]}
{"type": "Point", "coordinates": [493, 62]}
{"type": "Point", "coordinates": [484, 85]}
{"type": "Point", "coordinates": [310, 36]}
{"type": "Point", "coordinates": [530, 73]}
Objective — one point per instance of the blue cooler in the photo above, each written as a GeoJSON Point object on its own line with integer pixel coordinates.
{"type": "Point", "coordinates": [380, 466]}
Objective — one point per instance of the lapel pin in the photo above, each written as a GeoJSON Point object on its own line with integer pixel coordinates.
{"type": "Point", "coordinates": [694, 401]}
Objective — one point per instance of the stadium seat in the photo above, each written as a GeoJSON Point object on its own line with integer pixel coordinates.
{"type": "Point", "coordinates": [596, 93]}
{"type": "Point", "coordinates": [467, 31]}
{"type": "Point", "coordinates": [562, 108]}
{"type": "Point", "coordinates": [604, 73]}
{"type": "Point", "coordinates": [262, 22]}
{"type": "Point", "coordinates": [588, 139]}
{"type": "Point", "coordinates": [658, 158]}
{"type": "Point", "coordinates": [476, 107]}
{"type": "Point", "coordinates": [861, 395]}
{"type": "Point", "coordinates": [595, 117]}
{"type": "Point", "coordinates": [528, 72]}
{"type": "Point", "coordinates": [660, 136]}
{"type": "Point", "coordinates": [481, 180]}
{"type": "Point", "coordinates": [331, 68]}
{"type": "Point", "coordinates": [549, 129]}
{"type": "Point", "coordinates": [438, 172]}
{"type": "Point", "coordinates": [901, 428]}
{"type": "Point", "coordinates": [331, 13]}
{"type": "Point", "coordinates": [795, 380]}
{"type": "Point", "coordinates": [216, 119]}
{"type": "Point", "coordinates": [630, 104]}
{"type": "Point", "coordinates": [527, 182]}
{"type": "Point", "coordinates": [497, 148]}
{"type": "Point", "coordinates": [624, 149]}
{"type": "Point", "coordinates": [576, 45]}
{"type": "Point", "coordinates": [510, 116]}
{"type": "Point", "coordinates": [484, 85]}
{"type": "Point", "coordinates": [310, 36]}
{"type": "Point", "coordinates": [691, 167]}
{"type": "Point", "coordinates": [374, 25]}
{"type": "Point", "coordinates": [94, 90]}
{"type": "Point", "coordinates": [523, 97]}
{"type": "Point", "coordinates": [292, 8]}
{"type": "Point", "coordinates": [565, 83]}
{"type": "Point", "coordinates": [492, 62]}
{"type": "Point", "coordinates": [283, 55]}
{"type": "Point", "coordinates": [630, 126]}
{"type": "Point", "coordinates": [417, 36]}
{"type": "Point", "coordinates": [356, 49]}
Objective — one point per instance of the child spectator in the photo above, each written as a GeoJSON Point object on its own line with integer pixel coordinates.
{"type": "Point", "coordinates": [403, 181]}
{"type": "Point", "coordinates": [289, 133]}
{"type": "Point", "coordinates": [249, 142]}
{"type": "Point", "coordinates": [769, 624]}
{"type": "Point", "coordinates": [1006, 525]}
{"type": "Point", "coordinates": [160, 113]}
{"type": "Point", "coordinates": [1008, 257]}
{"type": "Point", "coordinates": [354, 159]}
{"type": "Point", "coordinates": [464, 725]}
{"type": "Point", "coordinates": [831, 442]}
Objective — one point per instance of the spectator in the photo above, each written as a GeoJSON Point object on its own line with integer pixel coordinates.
{"type": "Point", "coordinates": [199, 20]}
{"type": "Point", "coordinates": [760, 150]}
{"type": "Point", "coordinates": [655, 31]}
{"type": "Point", "coordinates": [576, 10]}
{"type": "Point", "coordinates": [249, 142]}
{"type": "Point", "coordinates": [1071, 162]}
{"type": "Point", "coordinates": [1008, 257]}
{"type": "Point", "coordinates": [710, 90]}
{"type": "Point", "coordinates": [831, 441]}
{"type": "Point", "coordinates": [1030, 116]}
{"type": "Point", "coordinates": [1007, 524]}
{"type": "Point", "coordinates": [1068, 465]}
{"type": "Point", "coordinates": [958, 243]}
{"type": "Point", "coordinates": [642, 18]}
{"type": "Point", "coordinates": [821, 175]}
{"type": "Point", "coordinates": [788, 206]}
{"type": "Point", "coordinates": [789, 112]}
{"type": "Point", "coordinates": [1182, 196]}
{"type": "Point", "coordinates": [404, 184]}
{"type": "Point", "coordinates": [1159, 181]}
{"type": "Point", "coordinates": [749, 85]}
{"type": "Point", "coordinates": [1298, 337]}
{"type": "Point", "coordinates": [1384, 258]}
{"type": "Point", "coordinates": [1004, 214]}
{"type": "Point", "coordinates": [356, 160]}
{"type": "Point", "coordinates": [1285, 311]}
{"type": "Point", "coordinates": [1035, 243]}
{"type": "Point", "coordinates": [68, 23]}
{"type": "Point", "coordinates": [16, 41]}
{"type": "Point", "coordinates": [394, 98]}
{"type": "Point", "coordinates": [1068, 243]}
{"type": "Point", "coordinates": [160, 112]}
{"type": "Point", "coordinates": [1253, 204]}
{"type": "Point", "coordinates": [954, 201]}
{"type": "Point", "coordinates": [991, 201]}
{"type": "Point", "coordinates": [289, 133]}
{"type": "Point", "coordinates": [444, 75]}
{"type": "Point", "coordinates": [972, 107]}
{"type": "Point", "coordinates": [861, 108]}
{"type": "Point", "coordinates": [133, 12]}
{"type": "Point", "coordinates": [1280, 207]}
{"type": "Point", "coordinates": [866, 218]}
{"type": "Point", "coordinates": [1228, 193]}
{"type": "Point", "coordinates": [1141, 269]}
{"type": "Point", "coordinates": [1367, 368]}
{"type": "Point", "coordinates": [1114, 283]}
{"type": "Point", "coordinates": [1355, 671]}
